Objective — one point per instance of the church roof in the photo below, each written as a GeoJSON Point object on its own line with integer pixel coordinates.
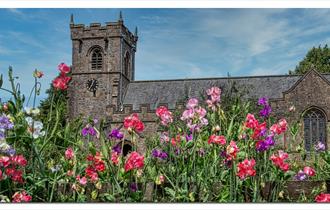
{"type": "Point", "coordinates": [170, 92]}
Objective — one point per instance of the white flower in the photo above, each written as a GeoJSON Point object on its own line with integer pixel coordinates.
{"type": "Point", "coordinates": [31, 111]}
{"type": "Point", "coordinates": [35, 127]}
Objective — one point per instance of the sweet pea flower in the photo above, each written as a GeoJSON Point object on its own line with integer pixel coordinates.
{"type": "Point", "coordinates": [82, 180]}
{"type": "Point", "coordinates": [116, 134]}
{"type": "Point", "coordinates": [134, 161]}
{"type": "Point", "coordinates": [192, 103]}
{"type": "Point", "coordinates": [245, 169]}
{"type": "Point", "coordinates": [214, 139]}
{"type": "Point", "coordinates": [300, 176]}
{"type": "Point", "coordinates": [38, 74]}
{"type": "Point", "coordinates": [133, 124]}
{"type": "Point", "coordinates": [63, 68]}
{"type": "Point", "coordinates": [19, 197]}
{"type": "Point", "coordinates": [35, 127]}
{"type": "Point", "coordinates": [320, 146]}
{"type": "Point", "coordinates": [88, 130]}
{"type": "Point", "coordinates": [322, 198]}
{"type": "Point", "coordinates": [69, 154]}
{"type": "Point", "coordinates": [309, 171]}
{"type": "Point", "coordinates": [165, 115]}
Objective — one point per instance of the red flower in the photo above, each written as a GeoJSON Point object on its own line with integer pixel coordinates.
{"type": "Point", "coordinates": [251, 121]}
{"type": "Point", "coordinates": [134, 161]}
{"type": "Point", "coordinates": [309, 171]}
{"type": "Point", "coordinates": [278, 160]}
{"type": "Point", "coordinates": [61, 82]}
{"type": "Point", "coordinates": [0, 175]}
{"type": "Point", "coordinates": [69, 154]}
{"type": "Point", "coordinates": [245, 168]}
{"type": "Point", "coordinates": [19, 160]}
{"type": "Point", "coordinates": [4, 161]}
{"type": "Point", "coordinates": [258, 130]}
{"type": "Point", "coordinates": [133, 123]}
{"type": "Point", "coordinates": [232, 150]}
{"type": "Point", "coordinates": [217, 140]}
{"type": "Point", "coordinates": [19, 197]}
{"type": "Point", "coordinates": [17, 176]}
{"type": "Point", "coordinates": [63, 68]}
{"type": "Point", "coordinates": [322, 198]}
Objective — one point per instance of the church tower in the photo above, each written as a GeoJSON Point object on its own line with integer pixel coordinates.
{"type": "Point", "coordinates": [102, 66]}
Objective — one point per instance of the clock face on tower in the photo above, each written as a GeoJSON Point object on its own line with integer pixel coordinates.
{"type": "Point", "coordinates": [92, 85]}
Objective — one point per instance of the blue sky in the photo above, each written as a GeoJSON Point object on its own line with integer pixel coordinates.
{"type": "Point", "coordinates": [173, 43]}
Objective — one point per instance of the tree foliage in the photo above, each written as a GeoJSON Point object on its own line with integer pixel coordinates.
{"type": "Point", "coordinates": [317, 58]}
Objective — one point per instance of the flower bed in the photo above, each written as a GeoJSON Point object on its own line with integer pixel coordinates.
{"type": "Point", "coordinates": [209, 152]}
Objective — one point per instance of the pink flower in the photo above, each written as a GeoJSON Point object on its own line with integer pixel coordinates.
{"type": "Point", "coordinates": [165, 115]}
{"type": "Point", "coordinates": [63, 68]}
{"type": "Point", "coordinates": [309, 171]}
{"type": "Point", "coordinates": [82, 181]}
{"type": "Point", "coordinates": [217, 140]}
{"type": "Point", "coordinates": [232, 150]}
{"type": "Point", "coordinates": [115, 158]}
{"type": "Point", "coordinates": [4, 161]}
{"type": "Point", "coordinates": [201, 112]}
{"type": "Point", "coordinates": [280, 127]}
{"type": "Point", "coordinates": [188, 114]}
{"type": "Point", "coordinates": [251, 121]}
{"type": "Point", "coordinates": [61, 82]}
{"type": "Point", "coordinates": [213, 97]}
{"type": "Point", "coordinates": [245, 169]}
{"type": "Point", "coordinates": [192, 103]}
{"type": "Point", "coordinates": [69, 154]}
{"type": "Point", "coordinates": [19, 197]}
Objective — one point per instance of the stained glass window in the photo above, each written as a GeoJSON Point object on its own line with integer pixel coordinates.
{"type": "Point", "coordinates": [314, 128]}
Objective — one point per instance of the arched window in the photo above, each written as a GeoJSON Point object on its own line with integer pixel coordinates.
{"type": "Point", "coordinates": [96, 59]}
{"type": "Point", "coordinates": [127, 64]}
{"type": "Point", "coordinates": [314, 128]}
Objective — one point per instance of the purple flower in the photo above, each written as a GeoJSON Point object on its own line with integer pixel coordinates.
{"type": "Point", "coordinates": [115, 133]}
{"type": "Point", "coordinates": [117, 148]}
{"type": "Point", "coordinates": [189, 137]}
{"type": "Point", "coordinates": [319, 147]}
{"type": "Point", "coordinates": [300, 176]}
{"type": "Point", "coordinates": [5, 123]}
{"type": "Point", "coordinates": [265, 112]}
{"type": "Point", "coordinates": [264, 145]}
{"type": "Point", "coordinates": [11, 151]}
{"type": "Point", "coordinates": [159, 154]}
{"type": "Point", "coordinates": [270, 140]}
{"type": "Point", "coordinates": [88, 130]}
{"type": "Point", "coordinates": [263, 101]}
{"type": "Point", "coordinates": [133, 187]}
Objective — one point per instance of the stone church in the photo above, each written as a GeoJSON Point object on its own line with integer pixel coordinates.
{"type": "Point", "coordinates": [103, 85]}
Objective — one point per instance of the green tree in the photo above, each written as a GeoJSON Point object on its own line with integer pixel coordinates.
{"type": "Point", "coordinates": [317, 58]}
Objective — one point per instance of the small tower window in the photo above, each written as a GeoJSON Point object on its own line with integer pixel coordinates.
{"type": "Point", "coordinates": [80, 45]}
{"type": "Point", "coordinates": [127, 64]}
{"type": "Point", "coordinates": [97, 59]}
{"type": "Point", "coordinates": [314, 128]}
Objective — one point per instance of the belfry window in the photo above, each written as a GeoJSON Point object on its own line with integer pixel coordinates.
{"type": "Point", "coordinates": [97, 59]}
{"type": "Point", "coordinates": [127, 64]}
{"type": "Point", "coordinates": [314, 128]}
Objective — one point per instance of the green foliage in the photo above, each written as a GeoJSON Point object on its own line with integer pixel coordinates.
{"type": "Point", "coordinates": [316, 58]}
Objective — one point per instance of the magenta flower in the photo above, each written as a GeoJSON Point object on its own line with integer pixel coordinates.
{"type": "Point", "coordinates": [88, 130]}
{"type": "Point", "coordinates": [116, 134]}
{"type": "Point", "coordinates": [320, 146]}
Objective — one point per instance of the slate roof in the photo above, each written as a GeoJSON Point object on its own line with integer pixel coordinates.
{"type": "Point", "coordinates": [155, 92]}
